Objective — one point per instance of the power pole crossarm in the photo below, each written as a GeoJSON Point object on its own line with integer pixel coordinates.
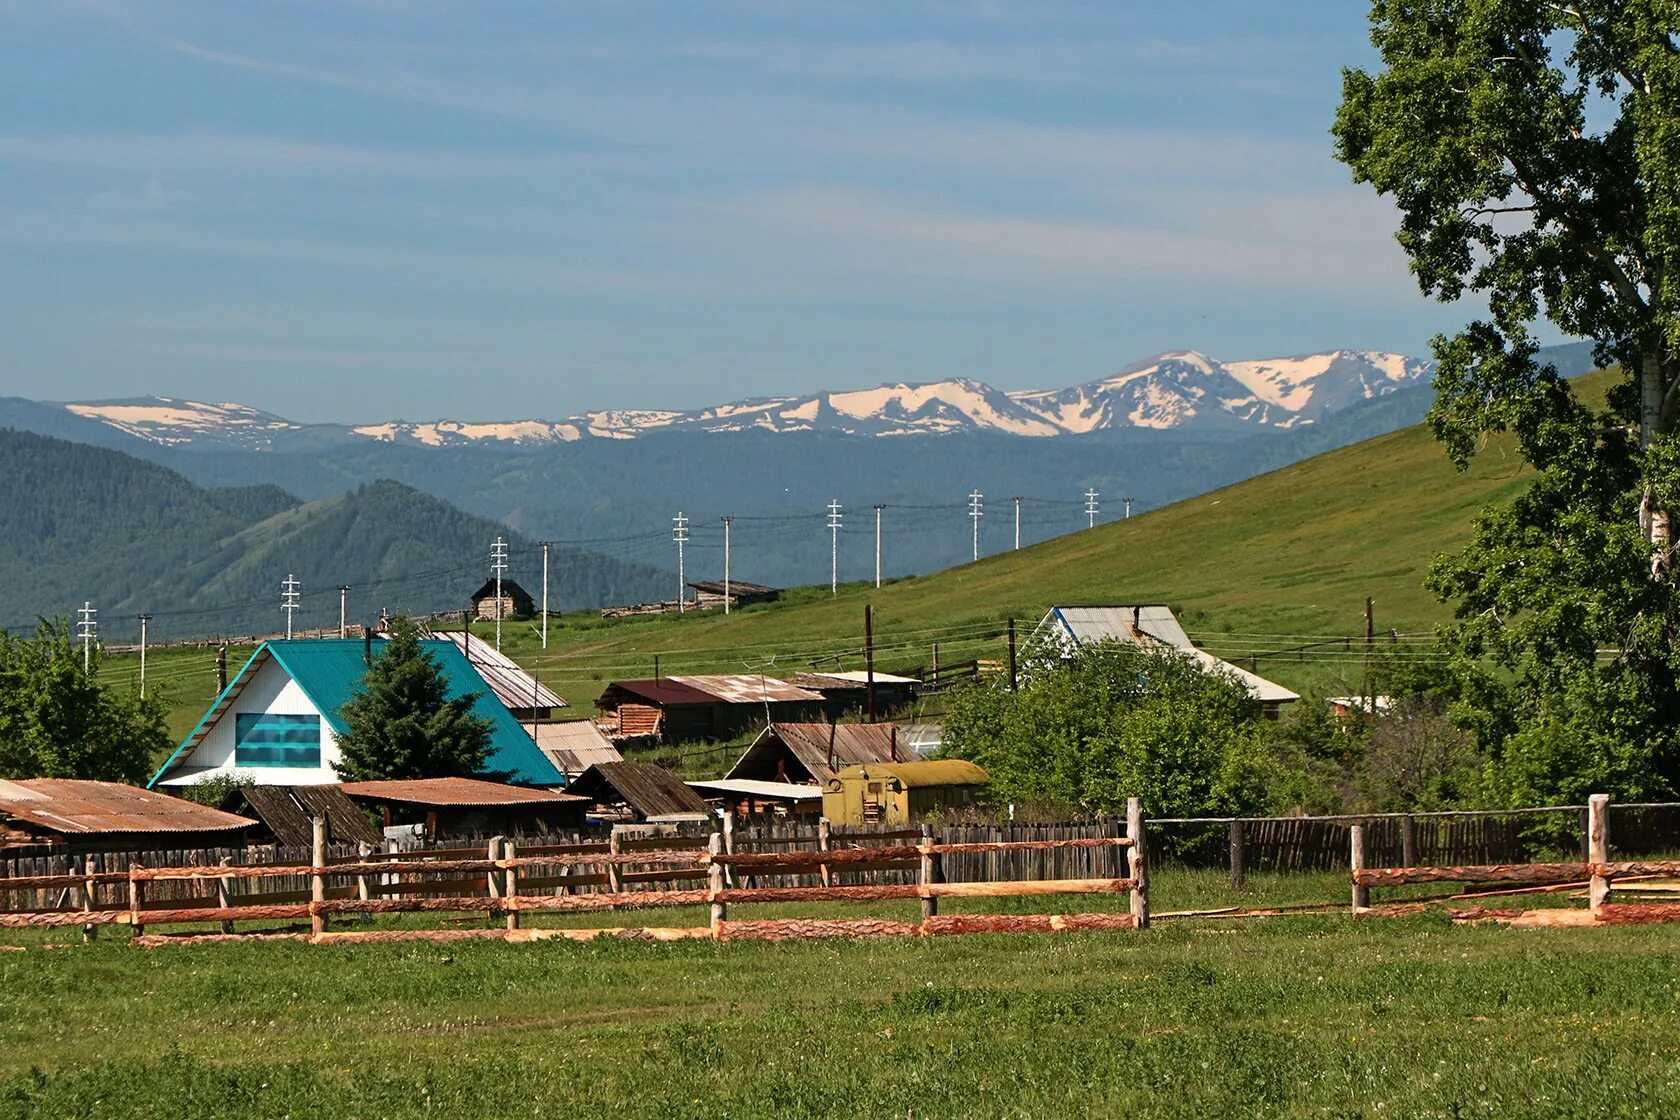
{"type": "Point", "coordinates": [86, 629]}
{"type": "Point", "coordinates": [679, 533]}
{"type": "Point", "coordinates": [289, 598]}
{"type": "Point", "coordinates": [834, 546]}
{"type": "Point", "coordinates": [727, 522]}
{"type": "Point", "coordinates": [975, 512]}
{"type": "Point", "coordinates": [498, 564]}
{"type": "Point", "coordinates": [1090, 509]}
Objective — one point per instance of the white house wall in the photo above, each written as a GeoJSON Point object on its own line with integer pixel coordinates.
{"type": "Point", "coordinates": [270, 690]}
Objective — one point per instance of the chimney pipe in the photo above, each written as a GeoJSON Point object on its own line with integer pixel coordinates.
{"type": "Point", "coordinates": [367, 645]}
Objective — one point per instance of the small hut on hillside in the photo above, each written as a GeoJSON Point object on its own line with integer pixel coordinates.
{"type": "Point", "coordinates": [516, 602]}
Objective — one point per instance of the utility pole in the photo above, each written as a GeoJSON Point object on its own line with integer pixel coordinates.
{"type": "Point", "coordinates": [85, 629]}
{"type": "Point", "coordinates": [498, 564]}
{"type": "Point", "coordinates": [727, 522]}
{"type": "Point", "coordinates": [975, 513]}
{"type": "Point", "coordinates": [679, 533]}
{"type": "Point", "coordinates": [834, 546]}
{"type": "Point", "coordinates": [1370, 686]}
{"type": "Point", "coordinates": [1128, 502]}
{"type": "Point", "coordinates": [1017, 501]}
{"type": "Point", "coordinates": [343, 602]}
{"type": "Point", "coordinates": [1090, 509]}
{"type": "Point", "coordinates": [869, 657]}
{"type": "Point", "coordinates": [144, 618]}
{"type": "Point", "coordinates": [289, 600]}
{"type": "Point", "coordinates": [878, 508]}
{"type": "Point", "coordinates": [545, 545]}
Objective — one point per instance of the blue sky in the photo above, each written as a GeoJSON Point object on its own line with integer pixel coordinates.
{"type": "Point", "coordinates": [371, 210]}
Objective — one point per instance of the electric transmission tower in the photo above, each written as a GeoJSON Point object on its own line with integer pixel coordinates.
{"type": "Point", "coordinates": [679, 533]}
{"type": "Point", "coordinates": [289, 600]}
{"type": "Point", "coordinates": [86, 629]}
{"type": "Point", "coordinates": [498, 564]}
{"type": "Point", "coordinates": [834, 546]}
{"type": "Point", "coordinates": [1090, 509]}
{"type": "Point", "coordinates": [975, 513]}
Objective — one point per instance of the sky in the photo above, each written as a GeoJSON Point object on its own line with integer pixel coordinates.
{"type": "Point", "coordinates": [360, 210]}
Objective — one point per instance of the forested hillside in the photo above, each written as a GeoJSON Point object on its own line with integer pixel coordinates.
{"type": "Point", "coordinates": [80, 523]}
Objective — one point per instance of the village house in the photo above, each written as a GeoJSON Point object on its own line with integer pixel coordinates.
{"type": "Point", "coordinates": [693, 708]}
{"type": "Point", "coordinates": [1068, 629]}
{"type": "Point", "coordinates": [278, 721]}
{"type": "Point", "coordinates": [70, 815]}
{"type": "Point", "coordinates": [711, 593]}
{"type": "Point", "coordinates": [515, 602]}
{"type": "Point", "coordinates": [639, 793]}
{"type": "Point", "coordinates": [285, 815]}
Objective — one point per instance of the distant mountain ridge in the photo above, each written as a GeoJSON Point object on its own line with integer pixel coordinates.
{"type": "Point", "coordinates": [1181, 390]}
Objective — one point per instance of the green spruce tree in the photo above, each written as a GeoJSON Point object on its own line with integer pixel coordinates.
{"type": "Point", "coordinates": [402, 723]}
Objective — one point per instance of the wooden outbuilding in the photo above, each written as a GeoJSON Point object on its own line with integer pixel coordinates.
{"type": "Point", "coordinates": [696, 708]}
{"type": "Point", "coordinates": [639, 792]}
{"type": "Point", "coordinates": [285, 815]}
{"type": "Point", "coordinates": [895, 793]}
{"type": "Point", "coordinates": [455, 808]}
{"type": "Point", "coordinates": [709, 593]}
{"type": "Point", "coordinates": [574, 746]}
{"type": "Point", "coordinates": [812, 753]}
{"type": "Point", "coordinates": [846, 692]}
{"type": "Point", "coordinates": [516, 602]}
{"type": "Point", "coordinates": [71, 815]}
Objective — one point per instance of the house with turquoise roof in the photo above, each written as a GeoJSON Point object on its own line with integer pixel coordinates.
{"type": "Point", "coordinates": [278, 721]}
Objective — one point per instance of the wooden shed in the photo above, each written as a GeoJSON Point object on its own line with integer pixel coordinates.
{"type": "Point", "coordinates": [815, 752]}
{"type": "Point", "coordinates": [516, 602]}
{"type": "Point", "coordinates": [710, 593]}
{"type": "Point", "coordinates": [83, 816]}
{"type": "Point", "coordinates": [574, 746]}
{"type": "Point", "coordinates": [639, 792]}
{"type": "Point", "coordinates": [893, 793]}
{"type": "Point", "coordinates": [285, 815]}
{"type": "Point", "coordinates": [697, 708]}
{"type": "Point", "coordinates": [451, 808]}
{"type": "Point", "coordinates": [846, 692]}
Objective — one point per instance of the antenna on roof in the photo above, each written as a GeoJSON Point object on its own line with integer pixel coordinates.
{"type": "Point", "coordinates": [289, 600]}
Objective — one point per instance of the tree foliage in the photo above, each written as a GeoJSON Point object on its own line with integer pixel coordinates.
{"type": "Point", "coordinates": [1112, 722]}
{"type": "Point", "coordinates": [402, 723]}
{"type": "Point", "coordinates": [1533, 151]}
{"type": "Point", "coordinates": [59, 721]}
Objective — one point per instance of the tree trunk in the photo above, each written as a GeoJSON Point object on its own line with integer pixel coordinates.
{"type": "Point", "coordinates": [1653, 521]}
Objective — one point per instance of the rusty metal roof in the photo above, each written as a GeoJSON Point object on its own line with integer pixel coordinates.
{"type": "Point", "coordinates": [749, 688]}
{"type": "Point", "coordinates": [652, 791]}
{"type": "Point", "coordinates": [513, 686]}
{"type": "Point", "coordinates": [813, 744]}
{"type": "Point", "coordinates": [72, 806]}
{"type": "Point", "coordinates": [452, 791]}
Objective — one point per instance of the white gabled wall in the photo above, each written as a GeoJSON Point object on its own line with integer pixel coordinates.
{"type": "Point", "coordinates": [271, 689]}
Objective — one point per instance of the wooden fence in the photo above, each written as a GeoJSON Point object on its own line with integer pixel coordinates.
{"type": "Point", "coordinates": [629, 872]}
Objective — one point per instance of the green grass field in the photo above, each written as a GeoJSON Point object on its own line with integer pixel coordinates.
{"type": "Point", "coordinates": [1293, 1016]}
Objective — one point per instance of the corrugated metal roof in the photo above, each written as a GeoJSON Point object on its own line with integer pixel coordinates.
{"type": "Point", "coordinates": [652, 791]}
{"type": "Point", "coordinates": [513, 686]}
{"type": "Point", "coordinates": [941, 772]}
{"type": "Point", "coordinates": [748, 688]}
{"type": "Point", "coordinates": [748, 787]}
{"type": "Point", "coordinates": [73, 806]}
{"type": "Point", "coordinates": [575, 746]}
{"type": "Point", "coordinates": [330, 671]}
{"type": "Point", "coordinates": [1149, 625]}
{"type": "Point", "coordinates": [287, 811]}
{"type": "Point", "coordinates": [812, 745]}
{"type": "Point", "coordinates": [453, 791]}
{"type": "Point", "coordinates": [663, 690]}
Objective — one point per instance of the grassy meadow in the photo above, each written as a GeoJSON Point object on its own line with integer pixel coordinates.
{"type": "Point", "coordinates": [1292, 1016]}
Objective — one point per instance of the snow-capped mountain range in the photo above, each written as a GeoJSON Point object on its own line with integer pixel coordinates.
{"type": "Point", "coordinates": [1179, 390]}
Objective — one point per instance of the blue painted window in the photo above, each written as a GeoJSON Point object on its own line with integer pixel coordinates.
{"type": "Point", "coordinates": [267, 739]}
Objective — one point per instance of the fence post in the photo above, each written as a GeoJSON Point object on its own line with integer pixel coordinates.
{"type": "Point", "coordinates": [1356, 864]}
{"type": "Point", "coordinates": [714, 880]}
{"type": "Point", "coordinates": [364, 890]}
{"type": "Point", "coordinates": [1138, 861]}
{"type": "Point", "coordinates": [136, 895]}
{"type": "Point", "coordinates": [1239, 870]}
{"type": "Point", "coordinates": [930, 875]}
{"type": "Point", "coordinates": [822, 846]}
{"type": "Point", "coordinates": [317, 876]}
{"type": "Point", "coordinates": [89, 900]}
{"type": "Point", "coordinates": [510, 887]}
{"type": "Point", "coordinates": [1598, 849]}
{"type": "Point", "coordinates": [493, 877]}
{"type": "Point", "coordinates": [224, 894]}
{"type": "Point", "coordinates": [1408, 841]}
{"type": "Point", "coordinates": [728, 819]}
{"type": "Point", "coordinates": [614, 883]}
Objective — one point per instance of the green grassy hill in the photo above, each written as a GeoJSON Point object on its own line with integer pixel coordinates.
{"type": "Point", "coordinates": [1269, 563]}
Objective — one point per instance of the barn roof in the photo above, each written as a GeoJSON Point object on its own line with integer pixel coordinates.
{"type": "Point", "coordinates": [287, 811]}
{"type": "Point", "coordinates": [940, 772]}
{"type": "Point", "coordinates": [813, 743]}
{"type": "Point", "coordinates": [513, 686]}
{"type": "Point", "coordinates": [330, 671]}
{"type": "Point", "coordinates": [79, 807]}
{"type": "Point", "coordinates": [738, 688]}
{"type": "Point", "coordinates": [510, 590]}
{"type": "Point", "coordinates": [652, 791]}
{"type": "Point", "coordinates": [575, 746]}
{"type": "Point", "coordinates": [454, 792]}
{"type": "Point", "coordinates": [736, 587]}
